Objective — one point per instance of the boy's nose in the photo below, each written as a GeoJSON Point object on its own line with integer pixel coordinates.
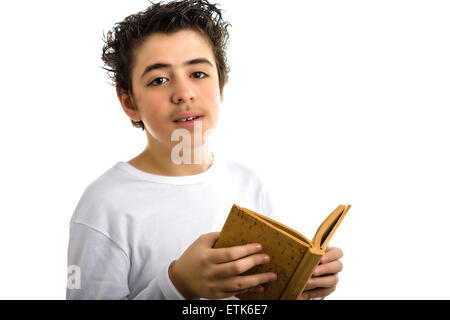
{"type": "Point", "coordinates": [182, 93]}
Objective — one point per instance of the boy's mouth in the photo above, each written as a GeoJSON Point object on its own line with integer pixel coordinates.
{"type": "Point", "coordinates": [188, 119]}
{"type": "Point", "coordinates": [188, 122]}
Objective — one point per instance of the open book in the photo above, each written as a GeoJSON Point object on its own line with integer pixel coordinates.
{"type": "Point", "coordinates": [292, 256]}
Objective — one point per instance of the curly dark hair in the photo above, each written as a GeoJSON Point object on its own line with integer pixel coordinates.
{"type": "Point", "coordinates": [126, 36]}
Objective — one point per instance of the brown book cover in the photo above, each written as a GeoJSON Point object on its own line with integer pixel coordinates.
{"type": "Point", "coordinates": [292, 256]}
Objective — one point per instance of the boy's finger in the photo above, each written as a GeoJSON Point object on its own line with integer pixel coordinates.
{"type": "Point", "coordinates": [258, 288]}
{"type": "Point", "coordinates": [328, 268]}
{"type": "Point", "coordinates": [239, 266]}
{"type": "Point", "coordinates": [210, 238]}
{"type": "Point", "coordinates": [223, 255]}
{"type": "Point", "coordinates": [239, 283]}
{"type": "Point", "coordinates": [310, 285]}
{"type": "Point", "coordinates": [331, 254]}
{"type": "Point", "coordinates": [316, 293]}
{"type": "Point", "coordinates": [322, 282]}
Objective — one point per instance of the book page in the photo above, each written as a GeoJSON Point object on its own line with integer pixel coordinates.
{"type": "Point", "coordinates": [329, 226]}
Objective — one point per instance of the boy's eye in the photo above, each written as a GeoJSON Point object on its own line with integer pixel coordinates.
{"type": "Point", "coordinates": [161, 80]}
{"type": "Point", "coordinates": [199, 75]}
{"type": "Point", "coordinates": [157, 81]}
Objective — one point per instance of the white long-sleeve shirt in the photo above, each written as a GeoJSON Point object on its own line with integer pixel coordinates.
{"type": "Point", "coordinates": [129, 226]}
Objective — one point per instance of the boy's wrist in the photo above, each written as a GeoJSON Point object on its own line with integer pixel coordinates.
{"type": "Point", "coordinates": [178, 284]}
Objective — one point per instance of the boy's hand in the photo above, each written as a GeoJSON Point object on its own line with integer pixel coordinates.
{"type": "Point", "coordinates": [325, 277]}
{"type": "Point", "coordinates": [206, 272]}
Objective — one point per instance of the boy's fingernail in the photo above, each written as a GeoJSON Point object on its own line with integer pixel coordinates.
{"type": "Point", "coordinates": [258, 246]}
{"type": "Point", "coordinates": [273, 276]}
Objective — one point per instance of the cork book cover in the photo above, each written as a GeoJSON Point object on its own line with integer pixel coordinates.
{"type": "Point", "coordinates": [292, 256]}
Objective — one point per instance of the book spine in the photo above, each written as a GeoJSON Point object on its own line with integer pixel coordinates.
{"type": "Point", "coordinates": [300, 278]}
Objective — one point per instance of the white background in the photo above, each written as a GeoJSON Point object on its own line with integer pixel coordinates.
{"type": "Point", "coordinates": [328, 101]}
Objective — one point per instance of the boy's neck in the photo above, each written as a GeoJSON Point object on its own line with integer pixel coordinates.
{"type": "Point", "coordinates": [160, 162]}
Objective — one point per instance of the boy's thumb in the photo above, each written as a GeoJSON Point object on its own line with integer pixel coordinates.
{"type": "Point", "coordinates": [211, 238]}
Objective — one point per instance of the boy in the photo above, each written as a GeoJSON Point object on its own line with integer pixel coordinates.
{"type": "Point", "coordinates": [142, 230]}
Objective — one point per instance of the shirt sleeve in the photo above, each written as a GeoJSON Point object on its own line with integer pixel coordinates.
{"type": "Point", "coordinates": [99, 269]}
{"type": "Point", "coordinates": [161, 288]}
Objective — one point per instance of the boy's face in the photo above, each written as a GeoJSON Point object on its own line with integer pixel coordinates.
{"type": "Point", "coordinates": [173, 74]}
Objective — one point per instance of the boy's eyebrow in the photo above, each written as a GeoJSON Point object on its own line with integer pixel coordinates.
{"type": "Point", "coordinates": [166, 65]}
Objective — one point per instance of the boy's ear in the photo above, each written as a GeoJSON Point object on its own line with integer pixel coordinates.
{"type": "Point", "coordinates": [128, 105]}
